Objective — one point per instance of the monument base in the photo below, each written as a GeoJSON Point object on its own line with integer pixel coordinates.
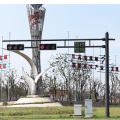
{"type": "Point", "coordinates": [32, 96]}
{"type": "Point", "coordinates": [33, 99]}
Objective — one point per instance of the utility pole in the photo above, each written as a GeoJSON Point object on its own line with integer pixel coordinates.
{"type": "Point", "coordinates": [68, 81]}
{"type": "Point", "coordinates": [115, 83]}
{"type": "Point", "coordinates": [9, 68]}
{"type": "Point", "coordinates": [107, 72]}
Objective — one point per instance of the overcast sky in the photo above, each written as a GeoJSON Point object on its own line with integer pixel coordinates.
{"type": "Point", "coordinates": [86, 21]}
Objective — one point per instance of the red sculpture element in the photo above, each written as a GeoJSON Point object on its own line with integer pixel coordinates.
{"type": "Point", "coordinates": [96, 66]}
{"type": "Point", "coordinates": [90, 58]}
{"type": "Point", "coordinates": [34, 24]}
{"type": "Point", "coordinates": [73, 56]}
{"type": "Point", "coordinates": [85, 57]}
{"type": "Point", "coordinates": [32, 18]}
{"type": "Point", "coordinates": [79, 65]}
{"type": "Point", "coordinates": [85, 66]}
{"type": "Point", "coordinates": [101, 67]}
{"type": "Point", "coordinates": [79, 57]}
{"type": "Point", "coordinates": [96, 58]}
{"type": "Point", "coordinates": [0, 58]}
{"type": "Point", "coordinates": [117, 69]}
{"type": "Point", "coordinates": [4, 65]}
{"type": "Point", "coordinates": [35, 17]}
{"type": "Point", "coordinates": [112, 68]}
{"type": "Point", "coordinates": [5, 57]}
{"type": "Point", "coordinates": [73, 64]}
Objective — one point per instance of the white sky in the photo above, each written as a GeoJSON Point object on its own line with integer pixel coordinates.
{"type": "Point", "coordinates": [85, 20]}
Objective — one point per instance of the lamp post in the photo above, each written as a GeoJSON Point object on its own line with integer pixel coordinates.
{"type": "Point", "coordinates": [9, 67]}
{"type": "Point", "coordinates": [77, 92]}
{"type": "Point", "coordinates": [2, 71]}
{"type": "Point", "coordinates": [93, 77]}
{"type": "Point", "coordinates": [115, 82]}
{"type": "Point", "coordinates": [68, 88]}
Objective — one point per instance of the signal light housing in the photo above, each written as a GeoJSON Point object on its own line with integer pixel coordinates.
{"type": "Point", "coordinates": [15, 47]}
{"type": "Point", "coordinates": [47, 46]}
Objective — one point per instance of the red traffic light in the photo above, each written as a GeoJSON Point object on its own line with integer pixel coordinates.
{"type": "Point", "coordinates": [47, 47]}
{"type": "Point", "coordinates": [15, 47]}
{"type": "Point", "coordinates": [9, 47]}
{"type": "Point", "coordinates": [42, 47]}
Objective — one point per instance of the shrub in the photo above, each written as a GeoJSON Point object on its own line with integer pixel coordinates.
{"type": "Point", "coordinates": [46, 95]}
{"type": "Point", "coordinates": [83, 113]}
{"type": "Point", "coordinates": [70, 103]}
{"type": "Point", "coordinates": [55, 100]}
{"type": "Point", "coordinates": [5, 103]}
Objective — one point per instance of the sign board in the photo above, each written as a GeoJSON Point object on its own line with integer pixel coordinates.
{"type": "Point", "coordinates": [79, 47]}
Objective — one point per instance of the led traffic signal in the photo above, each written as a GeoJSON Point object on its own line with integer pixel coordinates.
{"type": "Point", "coordinates": [47, 46]}
{"type": "Point", "coordinates": [15, 47]}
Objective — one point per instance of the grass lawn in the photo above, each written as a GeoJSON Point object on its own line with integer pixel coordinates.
{"type": "Point", "coordinates": [53, 113]}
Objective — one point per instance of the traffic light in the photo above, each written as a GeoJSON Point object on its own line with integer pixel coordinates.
{"type": "Point", "coordinates": [15, 47]}
{"type": "Point", "coordinates": [47, 46]}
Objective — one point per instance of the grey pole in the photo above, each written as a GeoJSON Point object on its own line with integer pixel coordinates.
{"type": "Point", "coordinates": [93, 77]}
{"type": "Point", "coordinates": [115, 83]}
{"type": "Point", "coordinates": [107, 72]}
{"type": "Point", "coordinates": [2, 71]}
{"type": "Point", "coordinates": [68, 88]}
{"type": "Point", "coordinates": [9, 67]}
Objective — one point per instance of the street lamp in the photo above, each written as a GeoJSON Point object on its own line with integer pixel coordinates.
{"type": "Point", "coordinates": [9, 66]}
{"type": "Point", "coordinates": [68, 71]}
{"type": "Point", "coordinates": [115, 82]}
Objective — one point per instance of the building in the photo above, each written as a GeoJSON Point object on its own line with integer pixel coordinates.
{"type": "Point", "coordinates": [60, 95]}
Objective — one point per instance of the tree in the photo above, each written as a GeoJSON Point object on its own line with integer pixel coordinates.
{"type": "Point", "coordinates": [60, 72]}
{"type": "Point", "coordinates": [13, 84]}
{"type": "Point", "coordinates": [51, 84]}
{"type": "Point", "coordinates": [114, 84]}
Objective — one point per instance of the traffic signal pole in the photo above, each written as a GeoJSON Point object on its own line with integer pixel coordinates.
{"type": "Point", "coordinates": [106, 46]}
{"type": "Point", "coordinates": [88, 39]}
{"type": "Point", "coordinates": [107, 73]}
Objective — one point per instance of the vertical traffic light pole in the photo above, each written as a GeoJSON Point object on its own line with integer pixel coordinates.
{"type": "Point", "coordinates": [107, 73]}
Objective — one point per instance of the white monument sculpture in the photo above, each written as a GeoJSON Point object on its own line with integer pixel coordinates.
{"type": "Point", "coordinates": [31, 83]}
